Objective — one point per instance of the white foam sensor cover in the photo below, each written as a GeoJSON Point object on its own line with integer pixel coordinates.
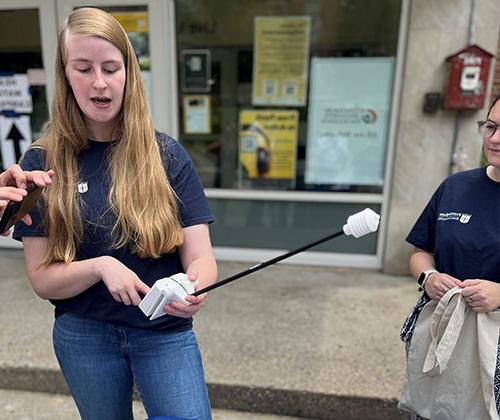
{"type": "Point", "coordinates": [362, 223]}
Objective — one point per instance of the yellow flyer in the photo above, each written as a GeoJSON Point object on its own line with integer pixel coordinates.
{"type": "Point", "coordinates": [281, 58]}
{"type": "Point", "coordinates": [133, 21]}
{"type": "Point", "coordinates": [268, 144]}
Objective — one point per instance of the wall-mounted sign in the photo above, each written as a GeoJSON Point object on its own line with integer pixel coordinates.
{"type": "Point", "coordinates": [268, 144]}
{"type": "Point", "coordinates": [196, 70]}
{"type": "Point", "coordinates": [136, 24]}
{"type": "Point", "coordinates": [133, 21]}
{"type": "Point", "coordinates": [348, 120]}
{"type": "Point", "coordinates": [15, 137]}
{"type": "Point", "coordinates": [197, 114]}
{"type": "Point", "coordinates": [15, 93]}
{"type": "Point", "coordinates": [281, 58]}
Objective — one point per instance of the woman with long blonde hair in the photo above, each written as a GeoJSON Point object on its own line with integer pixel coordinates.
{"type": "Point", "coordinates": [125, 209]}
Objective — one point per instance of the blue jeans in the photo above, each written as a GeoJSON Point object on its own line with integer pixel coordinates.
{"type": "Point", "coordinates": [101, 362]}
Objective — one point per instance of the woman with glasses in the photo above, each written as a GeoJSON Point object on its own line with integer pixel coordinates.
{"type": "Point", "coordinates": [457, 242]}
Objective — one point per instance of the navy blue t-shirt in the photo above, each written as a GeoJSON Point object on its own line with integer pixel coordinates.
{"type": "Point", "coordinates": [461, 226]}
{"type": "Point", "coordinates": [93, 186]}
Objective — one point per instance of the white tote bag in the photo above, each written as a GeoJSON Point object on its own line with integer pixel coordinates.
{"type": "Point", "coordinates": [451, 362]}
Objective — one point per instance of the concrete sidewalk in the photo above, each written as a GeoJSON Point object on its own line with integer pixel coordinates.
{"type": "Point", "coordinates": [308, 342]}
{"type": "Point", "coordinates": [24, 405]}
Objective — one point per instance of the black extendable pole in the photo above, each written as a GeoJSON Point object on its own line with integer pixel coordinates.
{"type": "Point", "coordinates": [265, 264]}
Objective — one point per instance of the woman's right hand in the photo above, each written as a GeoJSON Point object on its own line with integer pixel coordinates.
{"type": "Point", "coordinates": [439, 283]}
{"type": "Point", "coordinates": [11, 194]}
{"type": "Point", "coordinates": [123, 284]}
{"type": "Point", "coordinates": [13, 182]}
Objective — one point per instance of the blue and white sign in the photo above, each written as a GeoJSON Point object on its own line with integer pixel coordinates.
{"type": "Point", "coordinates": [15, 93]}
{"type": "Point", "coordinates": [349, 105]}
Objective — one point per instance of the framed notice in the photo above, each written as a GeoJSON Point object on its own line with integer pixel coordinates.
{"type": "Point", "coordinates": [348, 121]}
{"type": "Point", "coordinates": [196, 70]}
{"type": "Point", "coordinates": [197, 114]}
{"type": "Point", "coordinates": [281, 58]}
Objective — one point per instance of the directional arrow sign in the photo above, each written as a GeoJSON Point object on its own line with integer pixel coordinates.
{"type": "Point", "coordinates": [15, 137]}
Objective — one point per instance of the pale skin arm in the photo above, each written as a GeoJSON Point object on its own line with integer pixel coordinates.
{"type": "Point", "coordinates": [13, 183]}
{"type": "Point", "coordinates": [200, 266]}
{"type": "Point", "coordinates": [437, 283]}
{"type": "Point", "coordinates": [65, 280]}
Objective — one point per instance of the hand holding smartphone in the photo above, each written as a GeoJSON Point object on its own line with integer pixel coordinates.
{"type": "Point", "coordinates": [16, 210]}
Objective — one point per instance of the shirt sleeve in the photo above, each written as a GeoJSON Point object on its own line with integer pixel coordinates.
{"type": "Point", "coordinates": [423, 233]}
{"type": "Point", "coordinates": [193, 204]}
{"type": "Point", "coordinates": [31, 161]}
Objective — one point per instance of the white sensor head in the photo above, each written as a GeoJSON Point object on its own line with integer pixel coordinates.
{"type": "Point", "coordinates": [362, 223]}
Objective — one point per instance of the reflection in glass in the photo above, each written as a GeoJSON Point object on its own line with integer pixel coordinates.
{"type": "Point", "coordinates": [338, 28]}
{"type": "Point", "coordinates": [21, 53]}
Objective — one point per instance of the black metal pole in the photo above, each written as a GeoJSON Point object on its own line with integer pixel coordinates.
{"type": "Point", "coordinates": [265, 264]}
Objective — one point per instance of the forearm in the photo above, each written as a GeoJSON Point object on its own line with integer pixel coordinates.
{"type": "Point", "coordinates": [206, 268]}
{"type": "Point", "coordinates": [58, 280]}
{"type": "Point", "coordinates": [196, 254]}
{"type": "Point", "coordinates": [420, 261]}
{"type": "Point", "coordinates": [62, 281]}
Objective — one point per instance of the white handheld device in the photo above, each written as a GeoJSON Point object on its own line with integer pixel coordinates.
{"type": "Point", "coordinates": [178, 286]}
{"type": "Point", "coordinates": [165, 290]}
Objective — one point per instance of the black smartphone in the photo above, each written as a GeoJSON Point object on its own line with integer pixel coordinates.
{"type": "Point", "coordinates": [16, 210]}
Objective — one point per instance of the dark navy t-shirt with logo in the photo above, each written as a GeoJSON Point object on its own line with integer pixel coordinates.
{"type": "Point", "coordinates": [93, 189]}
{"type": "Point", "coordinates": [461, 226]}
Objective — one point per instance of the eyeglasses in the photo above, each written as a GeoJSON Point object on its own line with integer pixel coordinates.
{"type": "Point", "coordinates": [487, 128]}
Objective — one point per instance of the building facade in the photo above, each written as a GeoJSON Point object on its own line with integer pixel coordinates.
{"type": "Point", "coordinates": [297, 113]}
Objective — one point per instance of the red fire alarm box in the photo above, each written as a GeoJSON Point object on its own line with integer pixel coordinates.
{"type": "Point", "coordinates": [469, 71]}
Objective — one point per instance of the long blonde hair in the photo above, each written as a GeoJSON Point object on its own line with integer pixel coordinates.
{"type": "Point", "coordinates": [140, 197]}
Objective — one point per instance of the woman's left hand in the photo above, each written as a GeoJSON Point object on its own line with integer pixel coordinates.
{"type": "Point", "coordinates": [181, 310]}
{"type": "Point", "coordinates": [481, 295]}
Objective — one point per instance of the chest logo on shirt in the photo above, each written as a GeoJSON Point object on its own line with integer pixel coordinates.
{"type": "Point", "coordinates": [461, 217]}
{"type": "Point", "coordinates": [83, 187]}
{"type": "Point", "coordinates": [465, 217]}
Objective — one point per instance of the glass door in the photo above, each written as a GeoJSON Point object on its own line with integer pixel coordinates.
{"type": "Point", "coordinates": [28, 32]}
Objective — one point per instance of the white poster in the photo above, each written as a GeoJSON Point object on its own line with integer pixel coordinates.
{"type": "Point", "coordinates": [197, 115]}
{"type": "Point", "coordinates": [15, 94]}
{"type": "Point", "coordinates": [281, 58]}
{"type": "Point", "coordinates": [348, 122]}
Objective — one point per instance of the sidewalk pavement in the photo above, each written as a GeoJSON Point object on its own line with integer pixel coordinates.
{"type": "Point", "coordinates": [309, 342]}
{"type": "Point", "coordinates": [24, 405]}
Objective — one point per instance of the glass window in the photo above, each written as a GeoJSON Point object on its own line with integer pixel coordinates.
{"type": "Point", "coordinates": [21, 59]}
{"type": "Point", "coordinates": [286, 224]}
{"type": "Point", "coordinates": [135, 21]}
{"type": "Point", "coordinates": [287, 94]}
